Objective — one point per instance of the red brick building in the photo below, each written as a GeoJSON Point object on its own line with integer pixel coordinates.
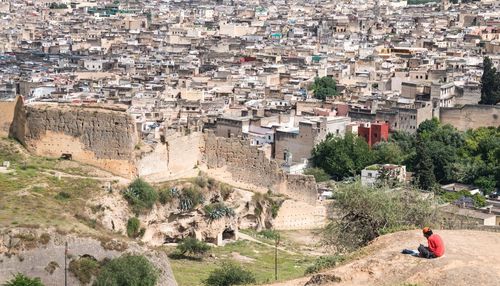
{"type": "Point", "coordinates": [374, 132]}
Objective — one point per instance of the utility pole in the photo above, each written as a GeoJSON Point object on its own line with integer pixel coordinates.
{"type": "Point", "coordinates": [276, 240]}
{"type": "Point", "coordinates": [65, 265]}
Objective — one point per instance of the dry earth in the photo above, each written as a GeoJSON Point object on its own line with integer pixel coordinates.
{"type": "Point", "coordinates": [471, 258]}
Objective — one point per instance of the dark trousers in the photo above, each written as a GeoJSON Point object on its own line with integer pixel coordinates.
{"type": "Point", "coordinates": [425, 252]}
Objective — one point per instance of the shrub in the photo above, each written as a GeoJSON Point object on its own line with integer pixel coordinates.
{"type": "Point", "coordinates": [84, 269]}
{"type": "Point", "coordinates": [133, 227]}
{"type": "Point", "coordinates": [226, 191]}
{"type": "Point", "coordinates": [167, 196]}
{"type": "Point", "coordinates": [63, 196]}
{"type": "Point", "coordinates": [192, 246]}
{"type": "Point", "coordinates": [366, 213]}
{"type": "Point", "coordinates": [269, 234]}
{"type": "Point", "coordinates": [319, 174]}
{"type": "Point", "coordinates": [140, 195]}
{"type": "Point", "coordinates": [217, 211]}
{"type": "Point", "coordinates": [23, 280]}
{"type": "Point", "coordinates": [201, 181]}
{"type": "Point", "coordinates": [190, 198]}
{"type": "Point", "coordinates": [132, 270]}
{"type": "Point", "coordinates": [324, 262]}
{"type": "Point", "coordinates": [229, 274]}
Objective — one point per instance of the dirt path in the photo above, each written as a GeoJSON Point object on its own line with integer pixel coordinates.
{"type": "Point", "coordinates": [249, 238]}
{"type": "Point", "coordinates": [121, 180]}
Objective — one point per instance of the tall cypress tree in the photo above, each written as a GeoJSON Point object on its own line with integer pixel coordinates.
{"type": "Point", "coordinates": [490, 83]}
{"type": "Point", "coordinates": [424, 169]}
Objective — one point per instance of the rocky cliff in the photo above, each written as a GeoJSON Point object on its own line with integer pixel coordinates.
{"type": "Point", "coordinates": [40, 253]}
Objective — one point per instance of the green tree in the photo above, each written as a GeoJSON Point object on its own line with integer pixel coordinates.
{"type": "Point", "coordinates": [486, 184]}
{"type": "Point", "coordinates": [127, 270]}
{"type": "Point", "coordinates": [365, 213]}
{"type": "Point", "coordinates": [324, 87]}
{"type": "Point", "coordinates": [424, 169]}
{"type": "Point", "coordinates": [490, 83]}
{"type": "Point", "coordinates": [140, 195]}
{"type": "Point", "coordinates": [229, 274]}
{"type": "Point", "coordinates": [22, 280]}
{"type": "Point", "coordinates": [319, 174]}
{"type": "Point", "coordinates": [388, 153]}
{"type": "Point", "coordinates": [191, 245]}
{"type": "Point", "coordinates": [342, 157]}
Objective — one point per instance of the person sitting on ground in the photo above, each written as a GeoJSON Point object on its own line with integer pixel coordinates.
{"type": "Point", "coordinates": [435, 246]}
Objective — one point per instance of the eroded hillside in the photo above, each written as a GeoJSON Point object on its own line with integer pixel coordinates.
{"type": "Point", "coordinates": [471, 258]}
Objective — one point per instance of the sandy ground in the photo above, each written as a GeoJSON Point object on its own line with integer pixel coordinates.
{"type": "Point", "coordinates": [471, 258]}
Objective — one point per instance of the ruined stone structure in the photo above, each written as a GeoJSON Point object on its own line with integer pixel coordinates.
{"type": "Point", "coordinates": [249, 165]}
{"type": "Point", "coordinates": [96, 136]}
{"type": "Point", "coordinates": [471, 116]}
{"type": "Point", "coordinates": [174, 158]}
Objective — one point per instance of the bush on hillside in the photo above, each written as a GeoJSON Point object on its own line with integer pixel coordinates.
{"type": "Point", "coordinates": [229, 274]}
{"type": "Point", "coordinates": [134, 228]}
{"type": "Point", "coordinates": [22, 280]}
{"type": "Point", "coordinates": [140, 195]}
{"type": "Point", "coordinates": [217, 211]}
{"type": "Point", "coordinates": [366, 213]}
{"type": "Point", "coordinates": [324, 262]}
{"type": "Point", "coordinates": [190, 198]}
{"type": "Point", "coordinates": [191, 245]}
{"type": "Point", "coordinates": [84, 269]}
{"type": "Point", "coordinates": [319, 174]}
{"type": "Point", "coordinates": [132, 270]}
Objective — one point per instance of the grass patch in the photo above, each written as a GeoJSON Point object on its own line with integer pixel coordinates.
{"type": "Point", "coordinates": [39, 206]}
{"type": "Point", "coordinates": [290, 266]}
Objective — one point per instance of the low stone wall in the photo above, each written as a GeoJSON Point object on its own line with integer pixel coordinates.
{"type": "Point", "coordinates": [247, 164]}
{"type": "Point", "coordinates": [471, 116]}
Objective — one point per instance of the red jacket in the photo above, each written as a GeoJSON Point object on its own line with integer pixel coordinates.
{"type": "Point", "coordinates": [436, 245]}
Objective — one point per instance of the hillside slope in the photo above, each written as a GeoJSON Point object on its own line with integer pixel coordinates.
{"type": "Point", "coordinates": [471, 258]}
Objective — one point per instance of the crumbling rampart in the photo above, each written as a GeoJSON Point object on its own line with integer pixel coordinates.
{"type": "Point", "coordinates": [100, 137]}
{"type": "Point", "coordinates": [249, 165]}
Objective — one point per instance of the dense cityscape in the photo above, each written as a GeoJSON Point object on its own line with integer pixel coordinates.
{"type": "Point", "coordinates": [238, 142]}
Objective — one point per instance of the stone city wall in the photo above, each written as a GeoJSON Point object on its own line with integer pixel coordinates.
{"type": "Point", "coordinates": [173, 159]}
{"type": "Point", "coordinates": [95, 136]}
{"type": "Point", "coordinates": [471, 116]}
{"type": "Point", "coordinates": [249, 165]}
{"type": "Point", "coordinates": [7, 109]}
{"type": "Point", "coordinates": [299, 215]}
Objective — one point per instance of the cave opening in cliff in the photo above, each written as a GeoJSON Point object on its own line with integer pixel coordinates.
{"type": "Point", "coordinates": [228, 234]}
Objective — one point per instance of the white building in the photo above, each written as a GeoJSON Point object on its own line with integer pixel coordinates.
{"type": "Point", "coordinates": [371, 174]}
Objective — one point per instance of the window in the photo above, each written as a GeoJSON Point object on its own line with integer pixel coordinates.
{"type": "Point", "coordinates": [370, 175]}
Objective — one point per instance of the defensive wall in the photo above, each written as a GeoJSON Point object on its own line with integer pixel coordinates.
{"type": "Point", "coordinates": [471, 116]}
{"type": "Point", "coordinates": [100, 137]}
{"type": "Point", "coordinates": [249, 165]}
{"type": "Point", "coordinates": [7, 109]}
{"type": "Point", "coordinates": [174, 158]}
